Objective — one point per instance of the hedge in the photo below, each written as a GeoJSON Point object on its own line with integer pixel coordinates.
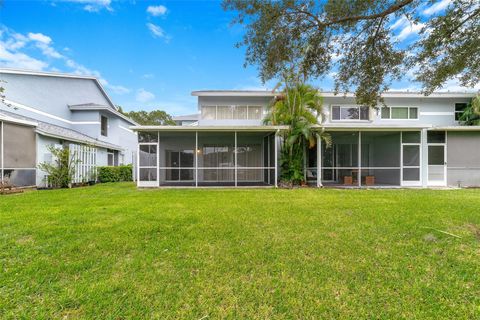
{"type": "Point", "coordinates": [115, 174]}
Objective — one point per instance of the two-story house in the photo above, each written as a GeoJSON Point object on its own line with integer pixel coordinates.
{"type": "Point", "coordinates": [416, 141]}
{"type": "Point", "coordinates": [40, 109]}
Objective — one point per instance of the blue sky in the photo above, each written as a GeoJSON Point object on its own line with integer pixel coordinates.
{"type": "Point", "coordinates": [148, 54]}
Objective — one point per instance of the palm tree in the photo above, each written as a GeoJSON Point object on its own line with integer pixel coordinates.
{"type": "Point", "coordinates": [300, 108]}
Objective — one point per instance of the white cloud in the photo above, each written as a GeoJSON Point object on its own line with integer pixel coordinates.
{"type": "Point", "coordinates": [157, 10]}
{"type": "Point", "coordinates": [11, 56]}
{"type": "Point", "coordinates": [90, 5]}
{"type": "Point", "coordinates": [117, 89]}
{"type": "Point", "coordinates": [157, 31]}
{"type": "Point", "coordinates": [401, 22]}
{"type": "Point", "coordinates": [454, 85]}
{"type": "Point", "coordinates": [410, 29]}
{"type": "Point", "coordinates": [148, 76]}
{"type": "Point", "coordinates": [437, 7]}
{"type": "Point", "coordinates": [20, 60]}
{"type": "Point", "coordinates": [40, 37]}
{"type": "Point", "coordinates": [144, 96]}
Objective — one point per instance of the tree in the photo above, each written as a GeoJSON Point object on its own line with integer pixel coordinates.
{"type": "Point", "coordinates": [356, 39]}
{"type": "Point", "coordinates": [149, 118]}
{"type": "Point", "coordinates": [471, 114]}
{"type": "Point", "coordinates": [300, 108]}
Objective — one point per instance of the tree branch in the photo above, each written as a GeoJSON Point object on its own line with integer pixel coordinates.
{"type": "Point", "coordinates": [383, 14]}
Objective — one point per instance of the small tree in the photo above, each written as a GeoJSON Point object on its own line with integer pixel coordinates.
{"type": "Point", "coordinates": [300, 108]}
{"type": "Point", "coordinates": [62, 169]}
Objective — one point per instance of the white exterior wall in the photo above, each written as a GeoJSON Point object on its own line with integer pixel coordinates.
{"type": "Point", "coordinates": [431, 111]}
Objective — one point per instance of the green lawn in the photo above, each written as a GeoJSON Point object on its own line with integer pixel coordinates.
{"type": "Point", "coordinates": [114, 252]}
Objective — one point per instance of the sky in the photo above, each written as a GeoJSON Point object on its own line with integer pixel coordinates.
{"type": "Point", "coordinates": [147, 54]}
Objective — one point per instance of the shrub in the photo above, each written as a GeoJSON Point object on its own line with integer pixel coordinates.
{"type": "Point", "coordinates": [115, 174]}
{"type": "Point", "coordinates": [60, 172]}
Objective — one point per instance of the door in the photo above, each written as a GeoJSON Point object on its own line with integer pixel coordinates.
{"type": "Point", "coordinates": [411, 165]}
{"type": "Point", "coordinates": [437, 165]}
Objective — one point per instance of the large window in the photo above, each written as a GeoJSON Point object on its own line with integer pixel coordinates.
{"type": "Point", "coordinates": [104, 125]}
{"type": "Point", "coordinates": [459, 109]}
{"type": "Point", "coordinates": [400, 113]}
{"type": "Point", "coordinates": [231, 112]}
{"type": "Point", "coordinates": [350, 113]}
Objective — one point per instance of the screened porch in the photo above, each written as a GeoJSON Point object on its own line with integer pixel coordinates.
{"type": "Point", "coordinates": [207, 158]}
{"type": "Point", "coordinates": [367, 159]}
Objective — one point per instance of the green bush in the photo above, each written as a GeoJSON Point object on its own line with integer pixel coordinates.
{"type": "Point", "coordinates": [115, 174]}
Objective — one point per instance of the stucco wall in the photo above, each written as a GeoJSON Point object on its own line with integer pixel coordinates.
{"type": "Point", "coordinates": [463, 159]}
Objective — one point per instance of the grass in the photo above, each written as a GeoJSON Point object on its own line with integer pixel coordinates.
{"type": "Point", "coordinates": [114, 252]}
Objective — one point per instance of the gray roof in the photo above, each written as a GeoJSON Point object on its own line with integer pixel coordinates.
{"type": "Point", "coordinates": [51, 130]}
{"type": "Point", "coordinates": [192, 117]}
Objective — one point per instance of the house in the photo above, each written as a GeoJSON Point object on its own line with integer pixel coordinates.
{"type": "Point", "coordinates": [40, 109]}
{"type": "Point", "coordinates": [415, 141]}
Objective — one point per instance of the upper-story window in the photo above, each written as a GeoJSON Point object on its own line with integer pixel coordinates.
{"type": "Point", "coordinates": [400, 113]}
{"type": "Point", "coordinates": [104, 126]}
{"type": "Point", "coordinates": [459, 109]}
{"type": "Point", "coordinates": [223, 112]}
{"type": "Point", "coordinates": [350, 113]}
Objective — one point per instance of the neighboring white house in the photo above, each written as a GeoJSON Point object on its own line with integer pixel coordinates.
{"type": "Point", "coordinates": [416, 141]}
{"type": "Point", "coordinates": [41, 109]}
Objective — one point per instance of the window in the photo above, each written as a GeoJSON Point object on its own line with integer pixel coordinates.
{"type": "Point", "coordinates": [147, 137]}
{"type": "Point", "coordinates": [209, 112]}
{"type": "Point", "coordinates": [232, 112]}
{"type": "Point", "coordinates": [240, 112]}
{"type": "Point", "coordinates": [459, 109]}
{"type": "Point", "coordinates": [350, 113]}
{"type": "Point", "coordinates": [224, 112]}
{"type": "Point", "coordinates": [399, 113]}
{"type": "Point", "coordinates": [436, 137]}
{"type": "Point", "coordinates": [110, 157]}
{"type": "Point", "coordinates": [104, 126]}
{"type": "Point", "coordinates": [254, 112]}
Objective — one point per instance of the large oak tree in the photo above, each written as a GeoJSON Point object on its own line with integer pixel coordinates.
{"type": "Point", "coordinates": [356, 39]}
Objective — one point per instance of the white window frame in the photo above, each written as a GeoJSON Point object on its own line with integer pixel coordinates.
{"type": "Point", "coordinates": [402, 119]}
{"type": "Point", "coordinates": [455, 112]}
{"type": "Point", "coordinates": [101, 126]}
{"type": "Point", "coordinates": [345, 106]}
{"type": "Point", "coordinates": [233, 107]}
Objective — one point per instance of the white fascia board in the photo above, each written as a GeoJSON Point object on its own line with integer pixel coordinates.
{"type": "Point", "coordinates": [330, 94]}
{"type": "Point", "coordinates": [456, 128]}
{"type": "Point", "coordinates": [400, 94]}
{"type": "Point", "coordinates": [234, 93]}
{"type": "Point", "coordinates": [5, 118]}
{"type": "Point", "coordinates": [368, 126]}
{"type": "Point", "coordinates": [209, 128]}
{"type": "Point", "coordinates": [43, 73]}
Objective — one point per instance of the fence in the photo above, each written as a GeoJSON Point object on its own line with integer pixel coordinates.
{"type": "Point", "coordinates": [84, 158]}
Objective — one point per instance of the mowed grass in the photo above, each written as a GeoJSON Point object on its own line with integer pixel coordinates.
{"type": "Point", "coordinates": [114, 252]}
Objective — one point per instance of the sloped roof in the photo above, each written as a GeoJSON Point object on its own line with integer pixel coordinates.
{"type": "Point", "coordinates": [51, 130]}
